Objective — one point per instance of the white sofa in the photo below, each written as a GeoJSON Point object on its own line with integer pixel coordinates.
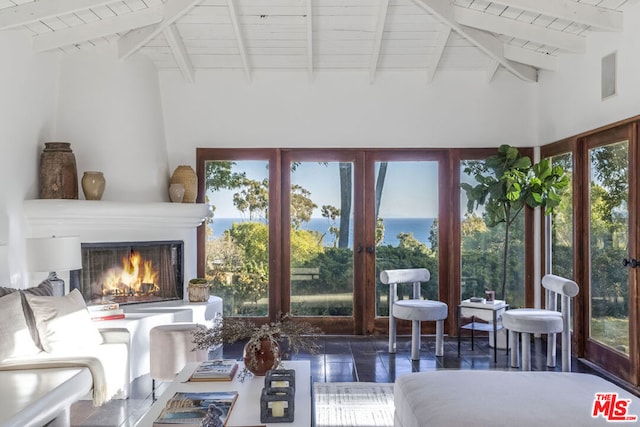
{"type": "Point", "coordinates": [41, 334]}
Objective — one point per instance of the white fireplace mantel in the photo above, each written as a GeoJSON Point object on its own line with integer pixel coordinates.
{"type": "Point", "coordinates": [45, 217]}
{"type": "Point", "coordinates": [107, 221]}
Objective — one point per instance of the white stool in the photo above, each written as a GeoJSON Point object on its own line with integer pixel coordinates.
{"type": "Point", "coordinates": [170, 348]}
{"type": "Point", "coordinates": [415, 309]}
{"type": "Point", "coordinates": [527, 321]}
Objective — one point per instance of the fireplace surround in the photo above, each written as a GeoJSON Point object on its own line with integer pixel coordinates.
{"type": "Point", "coordinates": [109, 222]}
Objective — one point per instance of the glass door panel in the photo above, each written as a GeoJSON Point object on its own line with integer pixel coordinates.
{"type": "Point", "coordinates": [561, 256]}
{"type": "Point", "coordinates": [406, 235]}
{"type": "Point", "coordinates": [237, 236]}
{"type": "Point", "coordinates": [482, 252]}
{"type": "Point", "coordinates": [321, 238]}
{"type": "Point", "coordinates": [609, 245]}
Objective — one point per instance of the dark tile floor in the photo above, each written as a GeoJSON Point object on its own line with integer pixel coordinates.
{"type": "Point", "coordinates": [341, 359]}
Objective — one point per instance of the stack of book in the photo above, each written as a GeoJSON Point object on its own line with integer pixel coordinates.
{"type": "Point", "coordinates": [215, 370]}
{"type": "Point", "coordinates": [105, 311]}
{"type": "Point", "coordinates": [189, 409]}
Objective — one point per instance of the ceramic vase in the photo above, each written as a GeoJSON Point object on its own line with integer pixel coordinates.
{"type": "Point", "coordinates": [260, 361]}
{"type": "Point", "coordinates": [176, 192]}
{"type": "Point", "coordinates": [58, 172]}
{"type": "Point", "coordinates": [185, 175]}
{"type": "Point", "coordinates": [93, 183]}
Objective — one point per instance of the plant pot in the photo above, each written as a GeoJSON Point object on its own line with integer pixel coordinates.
{"type": "Point", "coordinates": [260, 361]}
{"type": "Point", "coordinates": [198, 290]}
{"type": "Point", "coordinates": [501, 339]}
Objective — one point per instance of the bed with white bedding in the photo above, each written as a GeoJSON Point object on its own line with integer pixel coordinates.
{"type": "Point", "coordinates": [505, 398]}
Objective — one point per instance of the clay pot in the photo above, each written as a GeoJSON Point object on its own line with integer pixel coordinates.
{"type": "Point", "coordinates": [58, 173]}
{"type": "Point", "coordinates": [93, 183]}
{"type": "Point", "coordinates": [259, 362]}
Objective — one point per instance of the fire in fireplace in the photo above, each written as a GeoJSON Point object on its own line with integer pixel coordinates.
{"type": "Point", "coordinates": [129, 273]}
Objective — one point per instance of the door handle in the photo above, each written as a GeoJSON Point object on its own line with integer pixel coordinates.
{"type": "Point", "coordinates": [371, 249]}
{"type": "Point", "coordinates": [632, 262]}
{"type": "Point", "coordinates": [359, 249]}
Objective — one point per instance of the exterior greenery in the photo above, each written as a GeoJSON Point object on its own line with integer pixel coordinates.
{"type": "Point", "coordinates": [237, 263]}
{"type": "Point", "coordinates": [508, 182]}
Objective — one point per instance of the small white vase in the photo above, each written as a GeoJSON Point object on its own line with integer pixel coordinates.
{"type": "Point", "coordinates": [176, 192]}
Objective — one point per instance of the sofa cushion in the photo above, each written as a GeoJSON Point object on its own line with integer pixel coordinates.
{"type": "Point", "coordinates": [15, 337]}
{"type": "Point", "coordinates": [43, 289]}
{"type": "Point", "coordinates": [64, 322]}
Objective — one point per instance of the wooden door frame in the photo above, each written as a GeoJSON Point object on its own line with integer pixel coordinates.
{"type": "Point", "coordinates": [619, 364]}
{"type": "Point", "coordinates": [364, 320]}
{"type": "Point", "coordinates": [457, 157]}
{"type": "Point", "coordinates": [380, 324]}
{"type": "Point", "coordinates": [569, 146]}
{"type": "Point", "coordinates": [338, 324]}
{"type": "Point", "coordinates": [272, 156]}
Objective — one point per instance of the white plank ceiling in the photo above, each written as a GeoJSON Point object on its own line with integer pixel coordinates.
{"type": "Point", "coordinates": [428, 36]}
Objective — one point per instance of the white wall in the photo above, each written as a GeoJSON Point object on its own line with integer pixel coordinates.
{"type": "Point", "coordinates": [342, 109]}
{"type": "Point", "coordinates": [28, 89]}
{"type": "Point", "coordinates": [569, 99]}
{"type": "Point", "coordinates": [109, 110]}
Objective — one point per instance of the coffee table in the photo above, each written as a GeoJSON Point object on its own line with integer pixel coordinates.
{"type": "Point", "coordinates": [246, 411]}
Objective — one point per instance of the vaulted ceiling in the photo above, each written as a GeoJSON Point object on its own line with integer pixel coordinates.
{"type": "Point", "coordinates": [310, 36]}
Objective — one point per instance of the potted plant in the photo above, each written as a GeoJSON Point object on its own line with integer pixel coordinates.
{"type": "Point", "coordinates": [507, 183]}
{"type": "Point", "coordinates": [199, 290]}
{"type": "Point", "coordinates": [263, 350]}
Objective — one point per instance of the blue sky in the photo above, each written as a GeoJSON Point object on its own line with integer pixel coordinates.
{"type": "Point", "coordinates": [410, 190]}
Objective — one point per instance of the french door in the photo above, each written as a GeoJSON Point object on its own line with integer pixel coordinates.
{"type": "Point", "coordinates": [611, 250]}
{"type": "Point", "coordinates": [308, 231]}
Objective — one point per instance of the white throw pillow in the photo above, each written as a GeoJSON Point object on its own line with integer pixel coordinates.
{"type": "Point", "coordinates": [64, 322]}
{"type": "Point", "coordinates": [15, 337]}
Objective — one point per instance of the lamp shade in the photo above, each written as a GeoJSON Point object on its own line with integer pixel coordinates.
{"type": "Point", "coordinates": [47, 254]}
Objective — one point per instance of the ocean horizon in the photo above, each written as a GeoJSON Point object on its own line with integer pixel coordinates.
{"type": "Point", "coordinates": [420, 227]}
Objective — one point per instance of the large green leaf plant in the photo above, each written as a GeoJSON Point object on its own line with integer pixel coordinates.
{"type": "Point", "coordinates": [506, 183]}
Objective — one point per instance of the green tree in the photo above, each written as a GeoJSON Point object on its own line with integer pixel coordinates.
{"type": "Point", "coordinates": [507, 182]}
{"type": "Point", "coordinates": [610, 169]}
{"type": "Point", "coordinates": [408, 241]}
{"type": "Point", "coordinates": [301, 206]}
{"type": "Point", "coordinates": [304, 246]}
{"type": "Point", "coordinates": [253, 197]}
{"type": "Point", "coordinates": [253, 239]}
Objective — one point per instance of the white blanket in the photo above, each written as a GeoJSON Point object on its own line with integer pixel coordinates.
{"type": "Point", "coordinates": [107, 363]}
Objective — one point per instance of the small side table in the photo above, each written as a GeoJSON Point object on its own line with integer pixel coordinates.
{"type": "Point", "coordinates": [489, 312]}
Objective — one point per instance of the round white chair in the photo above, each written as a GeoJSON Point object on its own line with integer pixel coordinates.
{"type": "Point", "coordinates": [417, 310]}
{"type": "Point", "coordinates": [170, 349]}
{"type": "Point", "coordinates": [522, 322]}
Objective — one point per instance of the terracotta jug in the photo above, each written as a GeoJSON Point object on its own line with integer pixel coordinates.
{"type": "Point", "coordinates": [58, 173]}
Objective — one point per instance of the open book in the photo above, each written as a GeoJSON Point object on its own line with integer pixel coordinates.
{"type": "Point", "coordinates": [189, 409]}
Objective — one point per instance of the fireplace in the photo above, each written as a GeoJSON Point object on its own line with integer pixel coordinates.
{"type": "Point", "coordinates": [130, 272]}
